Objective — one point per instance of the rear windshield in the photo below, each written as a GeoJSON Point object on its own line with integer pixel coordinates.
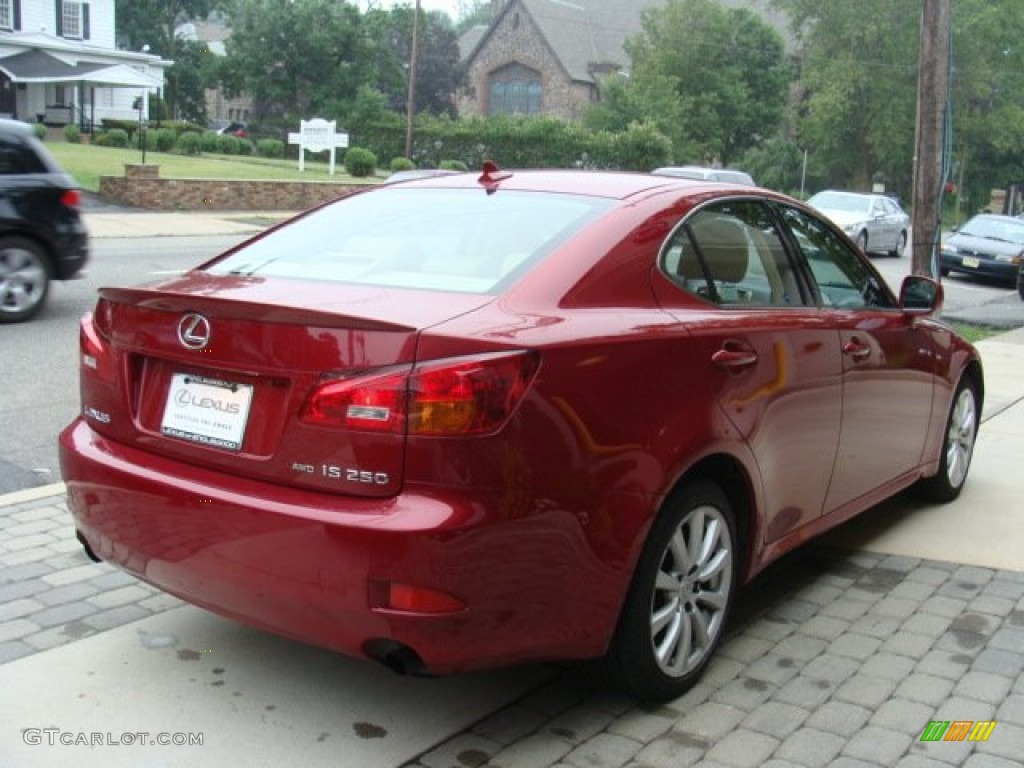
{"type": "Point", "coordinates": [461, 240]}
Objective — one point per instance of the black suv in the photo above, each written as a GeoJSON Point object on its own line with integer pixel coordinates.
{"type": "Point", "coordinates": [42, 235]}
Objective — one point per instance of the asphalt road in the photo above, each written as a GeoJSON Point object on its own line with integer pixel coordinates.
{"type": "Point", "coordinates": [40, 366]}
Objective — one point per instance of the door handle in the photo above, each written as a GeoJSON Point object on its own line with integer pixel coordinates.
{"type": "Point", "coordinates": [856, 350]}
{"type": "Point", "coordinates": [733, 358]}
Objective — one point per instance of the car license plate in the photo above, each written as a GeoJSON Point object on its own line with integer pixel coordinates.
{"type": "Point", "coordinates": [207, 411]}
{"type": "Point", "coordinates": [970, 261]}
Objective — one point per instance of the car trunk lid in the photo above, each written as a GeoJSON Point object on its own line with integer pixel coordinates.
{"type": "Point", "coordinates": [216, 370]}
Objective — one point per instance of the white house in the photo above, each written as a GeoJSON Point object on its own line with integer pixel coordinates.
{"type": "Point", "coordinates": [59, 64]}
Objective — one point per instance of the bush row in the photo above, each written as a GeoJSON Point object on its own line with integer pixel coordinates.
{"type": "Point", "coordinates": [169, 139]}
{"type": "Point", "coordinates": [518, 142]}
{"type": "Point", "coordinates": [513, 142]}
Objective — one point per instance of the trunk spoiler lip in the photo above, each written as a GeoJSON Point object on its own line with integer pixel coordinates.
{"type": "Point", "coordinates": [227, 308]}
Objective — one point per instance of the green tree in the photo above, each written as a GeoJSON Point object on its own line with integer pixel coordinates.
{"type": "Point", "coordinates": [438, 73]}
{"type": "Point", "coordinates": [858, 77]}
{"type": "Point", "coordinates": [653, 100]}
{"type": "Point", "coordinates": [297, 58]}
{"type": "Point", "coordinates": [988, 97]}
{"type": "Point", "coordinates": [472, 13]}
{"type": "Point", "coordinates": [729, 70]}
{"type": "Point", "coordinates": [154, 23]}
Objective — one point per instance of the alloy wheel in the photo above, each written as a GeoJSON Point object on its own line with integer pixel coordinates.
{"type": "Point", "coordinates": [691, 591]}
{"type": "Point", "coordinates": [963, 428]}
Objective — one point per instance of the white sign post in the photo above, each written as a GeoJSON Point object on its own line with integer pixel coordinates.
{"type": "Point", "coordinates": [317, 135]}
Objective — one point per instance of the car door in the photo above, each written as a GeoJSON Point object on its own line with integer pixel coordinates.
{"type": "Point", "coordinates": [888, 365]}
{"type": "Point", "coordinates": [773, 367]}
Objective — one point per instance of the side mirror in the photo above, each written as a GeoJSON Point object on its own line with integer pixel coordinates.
{"type": "Point", "coordinates": [920, 295]}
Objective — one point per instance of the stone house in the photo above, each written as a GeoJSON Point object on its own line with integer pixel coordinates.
{"type": "Point", "coordinates": [59, 64]}
{"type": "Point", "coordinates": [548, 57]}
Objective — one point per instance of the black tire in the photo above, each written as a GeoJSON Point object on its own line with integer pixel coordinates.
{"type": "Point", "coordinates": [673, 621]}
{"type": "Point", "coordinates": [24, 279]}
{"type": "Point", "coordinates": [901, 246]}
{"type": "Point", "coordinates": [957, 447]}
{"type": "Point", "coordinates": [862, 241]}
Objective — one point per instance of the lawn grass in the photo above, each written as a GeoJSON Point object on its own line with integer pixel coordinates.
{"type": "Point", "coordinates": [975, 333]}
{"type": "Point", "coordinates": [87, 163]}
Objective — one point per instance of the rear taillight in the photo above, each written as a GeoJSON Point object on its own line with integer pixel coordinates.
{"type": "Point", "coordinates": [461, 396]}
{"type": "Point", "coordinates": [376, 403]}
{"type": "Point", "coordinates": [103, 317]}
{"type": "Point", "coordinates": [72, 198]}
{"type": "Point", "coordinates": [94, 337]}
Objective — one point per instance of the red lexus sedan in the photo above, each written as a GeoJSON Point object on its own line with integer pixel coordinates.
{"type": "Point", "coordinates": [475, 420]}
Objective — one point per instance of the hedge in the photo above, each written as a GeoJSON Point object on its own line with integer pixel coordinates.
{"type": "Point", "coordinates": [517, 142]}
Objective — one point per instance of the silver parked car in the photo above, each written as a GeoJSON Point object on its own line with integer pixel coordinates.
{"type": "Point", "coordinates": [876, 223]}
{"type": "Point", "coordinates": [699, 172]}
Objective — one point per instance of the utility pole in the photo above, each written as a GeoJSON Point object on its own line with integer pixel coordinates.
{"type": "Point", "coordinates": [410, 105]}
{"type": "Point", "coordinates": [932, 95]}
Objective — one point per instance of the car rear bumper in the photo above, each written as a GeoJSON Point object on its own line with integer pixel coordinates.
{"type": "Point", "coordinates": [317, 567]}
{"type": "Point", "coordinates": [999, 270]}
{"type": "Point", "coordinates": [72, 254]}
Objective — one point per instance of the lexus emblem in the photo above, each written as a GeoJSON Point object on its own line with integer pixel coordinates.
{"type": "Point", "coordinates": [194, 331]}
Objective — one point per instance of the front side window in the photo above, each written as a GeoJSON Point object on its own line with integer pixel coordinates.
{"type": "Point", "coordinates": [842, 278]}
{"type": "Point", "coordinates": [730, 253]}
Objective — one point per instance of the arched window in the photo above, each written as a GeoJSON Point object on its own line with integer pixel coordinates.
{"type": "Point", "coordinates": [514, 90]}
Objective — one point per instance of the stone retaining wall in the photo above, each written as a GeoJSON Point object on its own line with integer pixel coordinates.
{"type": "Point", "coordinates": [141, 186]}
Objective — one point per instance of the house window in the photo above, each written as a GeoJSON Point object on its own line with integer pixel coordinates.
{"type": "Point", "coordinates": [6, 14]}
{"type": "Point", "coordinates": [515, 90]}
{"type": "Point", "coordinates": [71, 18]}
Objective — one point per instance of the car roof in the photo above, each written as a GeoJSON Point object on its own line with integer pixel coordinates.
{"type": "Point", "coordinates": [15, 126]}
{"type": "Point", "coordinates": [851, 193]}
{"type": "Point", "coordinates": [616, 185]}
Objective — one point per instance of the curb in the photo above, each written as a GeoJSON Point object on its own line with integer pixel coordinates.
{"type": "Point", "coordinates": [31, 494]}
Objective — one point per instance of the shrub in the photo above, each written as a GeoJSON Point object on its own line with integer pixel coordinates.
{"type": "Point", "coordinates": [208, 141]}
{"type": "Point", "coordinates": [149, 137]}
{"type": "Point", "coordinates": [39, 129]}
{"type": "Point", "coordinates": [117, 137]}
{"type": "Point", "coordinates": [360, 162]}
{"type": "Point", "coordinates": [187, 143]}
{"type": "Point", "coordinates": [99, 139]}
{"type": "Point", "coordinates": [270, 148]}
{"type": "Point", "coordinates": [227, 144]}
{"type": "Point", "coordinates": [72, 134]}
{"type": "Point", "coordinates": [454, 165]}
{"type": "Point", "coordinates": [165, 138]}
{"type": "Point", "coordinates": [402, 164]}
{"type": "Point", "coordinates": [245, 147]}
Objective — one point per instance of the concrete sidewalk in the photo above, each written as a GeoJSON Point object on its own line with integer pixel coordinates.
{"type": "Point", "coordinates": [839, 655]}
{"type": "Point", "coordinates": [130, 223]}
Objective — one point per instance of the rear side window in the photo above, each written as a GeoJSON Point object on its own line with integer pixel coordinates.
{"type": "Point", "coordinates": [462, 240]}
{"type": "Point", "coordinates": [731, 254]}
{"type": "Point", "coordinates": [16, 158]}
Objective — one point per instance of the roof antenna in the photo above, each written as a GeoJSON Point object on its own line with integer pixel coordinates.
{"type": "Point", "coordinates": [491, 175]}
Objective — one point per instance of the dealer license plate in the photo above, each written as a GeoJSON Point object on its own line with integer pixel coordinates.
{"type": "Point", "coordinates": [207, 411]}
{"type": "Point", "coordinates": [970, 261]}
